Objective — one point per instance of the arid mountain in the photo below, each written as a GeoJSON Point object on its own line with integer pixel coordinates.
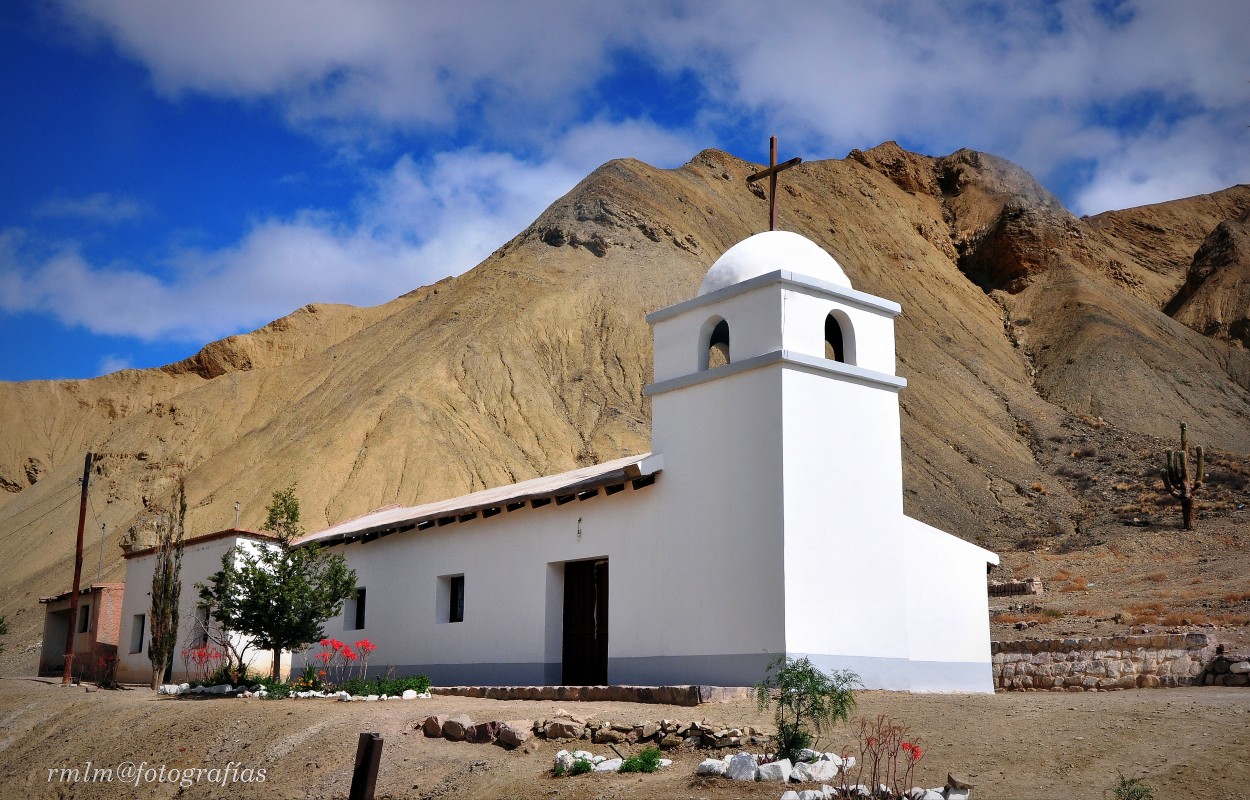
{"type": "Point", "coordinates": [1026, 333]}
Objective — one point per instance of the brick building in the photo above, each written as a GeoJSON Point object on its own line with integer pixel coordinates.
{"type": "Point", "coordinates": [97, 629]}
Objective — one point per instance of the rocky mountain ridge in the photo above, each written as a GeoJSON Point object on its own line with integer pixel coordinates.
{"type": "Point", "coordinates": [1024, 331]}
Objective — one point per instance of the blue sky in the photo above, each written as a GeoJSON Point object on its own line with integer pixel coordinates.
{"type": "Point", "coordinates": [174, 173]}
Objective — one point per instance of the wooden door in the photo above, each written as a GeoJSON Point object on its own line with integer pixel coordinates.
{"type": "Point", "coordinates": [585, 652]}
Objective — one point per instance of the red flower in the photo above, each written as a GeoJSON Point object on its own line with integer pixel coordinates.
{"type": "Point", "coordinates": [365, 646]}
{"type": "Point", "coordinates": [349, 654]}
{"type": "Point", "coordinates": [325, 642]}
{"type": "Point", "coordinates": [324, 657]}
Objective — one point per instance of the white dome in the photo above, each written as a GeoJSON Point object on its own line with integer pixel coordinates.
{"type": "Point", "coordinates": [768, 252]}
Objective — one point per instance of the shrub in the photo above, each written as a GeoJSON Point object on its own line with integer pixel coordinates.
{"type": "Point", "coordinates": [806, 701]}
{"type": "Point", "coordinates": [390, 686]}
{"type": "Point", "coordinates": [646, 761]}
{"type": "Point", "coordinates": [277, 690]}
{"type": "Point", "coordinates": [581, 766]}
{"type": "Point", "coordinates": [1131, 789]}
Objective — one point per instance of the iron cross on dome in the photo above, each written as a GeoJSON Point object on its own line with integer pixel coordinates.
{"type": "Point", "coordinates": [771, 174]}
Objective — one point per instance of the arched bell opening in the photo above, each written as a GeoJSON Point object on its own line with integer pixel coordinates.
{"type": "Point", "coordinates": [839, 338]}
{"type": "Point", "coordinates": [715, 350]}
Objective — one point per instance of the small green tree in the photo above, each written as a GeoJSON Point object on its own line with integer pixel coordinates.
{"type": "Point", "coordinates": [275, 593]}
{"type": "Point", "coordinates": [167, 583]}
{"type": "Point", "coordinates": [807, 701]}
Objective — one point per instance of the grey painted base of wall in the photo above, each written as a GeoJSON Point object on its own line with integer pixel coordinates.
{"type": "Point", "coordinates": [744, 669]}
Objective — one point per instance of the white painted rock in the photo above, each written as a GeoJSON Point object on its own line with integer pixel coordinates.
{"type": "Point", "coordinates": [711, 766]}
{"type": "Point", "coordinates": [666, 762]}
{"type": "Point", "coordinates": [583, 755]}
{"type": "Point", "coordinates": [564, 761]}
{"type": "Point", "coordinates": [372, 698]}
{"type": "Point", "coordinates": [957, 794]}
{"type": "Point", "coordinates": [848, 764]}
{"type": "Point", "coordinates": [170, 688]}
{"type": "Point", "coordinates": [808, 754]}
{"type": "Point", "coordinates": [833, 757]}
{"type": "Point", "coordinates": [790, 795]}
{"type": "Point", "coordinates": [609, 765]}
{"type": "Point", "coordinates": [742, 767]}
{"type": "Point", "coordinates": [775, 772]}
{"type": "Point", "coordinates": [1240, 668]}
{"type": "Point", "coordinates": [410, 694]}
{"type": "Point", "coordinates": [811, 794]}
{"type": "Point", "coordinates": [823, 771]}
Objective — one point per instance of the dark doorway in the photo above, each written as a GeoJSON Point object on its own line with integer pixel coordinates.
{"type": "Point", "coordinates": [585, 652]}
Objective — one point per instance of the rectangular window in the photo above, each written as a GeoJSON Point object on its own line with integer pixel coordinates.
{"type": "Point", "coordinates": [449, 599]}
{"type": "Point", "coordinates": [84, 618]}
{"type": "Point", "coordinates": [201, 626]}
{"type": "Point", "coordinates": [136, 633]}
{"type": "Point", "coordinates": [354, 612]}
{"type": "Point", "coordinates": [455, 611]}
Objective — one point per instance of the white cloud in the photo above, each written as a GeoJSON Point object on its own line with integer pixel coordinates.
{"type": "Point", "coordinates": [417, 223]}
{"type": "Point", "coordinates": [113, 363]}
{"type": "Point", "coordinates": [1042, 84]}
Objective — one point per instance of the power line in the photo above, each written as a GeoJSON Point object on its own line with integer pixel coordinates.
{"type": "Point", "coordinates": [16, 531]}
{"type": "Point", "coordinates": [51, 496]}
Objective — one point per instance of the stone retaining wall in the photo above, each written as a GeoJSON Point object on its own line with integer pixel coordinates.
{"type": "Point", "coordinates": [1007, 588]}
{"type": "Point", "coordinates": [1228, 669]}
{"type": "Point", "coordinates": [1102, 664]}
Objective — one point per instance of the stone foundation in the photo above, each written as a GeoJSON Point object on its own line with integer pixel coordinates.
{"type": "Point", "coordinates": [1103, 664]}
{"type": "Point", "coordinates": [662, 695]}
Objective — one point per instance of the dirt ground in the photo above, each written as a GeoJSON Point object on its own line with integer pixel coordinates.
{"type": "Point", "coordinates": [1181, 742]}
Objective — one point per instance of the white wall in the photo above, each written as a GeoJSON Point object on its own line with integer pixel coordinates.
{"type": "Point", "coordinates": [948, 600]}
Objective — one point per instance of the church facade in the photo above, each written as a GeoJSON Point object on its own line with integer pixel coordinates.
{"type": "Point", "coordinates": [767, 520]}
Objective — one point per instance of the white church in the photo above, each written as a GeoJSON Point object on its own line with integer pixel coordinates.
{"type": "Point", "coordinates": [767, 520]}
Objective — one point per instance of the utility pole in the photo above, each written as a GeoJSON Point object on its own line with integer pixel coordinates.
{"type": "Point", "coordinates": [67, 676]}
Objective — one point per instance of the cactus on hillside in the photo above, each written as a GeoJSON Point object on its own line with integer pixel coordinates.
{"type": "Point", "coordinates": [1178, 479]}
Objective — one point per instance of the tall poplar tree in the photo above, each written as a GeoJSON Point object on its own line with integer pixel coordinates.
{"type": "Point", "coordinates": [167, 583]}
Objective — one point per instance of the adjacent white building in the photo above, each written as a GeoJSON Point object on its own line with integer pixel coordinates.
{"type": "Point", "coordinates": [767, 520]}
{"type": "Point", "coordinates": [201, 557]}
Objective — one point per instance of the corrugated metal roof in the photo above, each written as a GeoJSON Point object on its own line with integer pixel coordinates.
{"type": "Point", "coordinates": [565, 484]}
{"type": "Point", "coordinates": [102, 587]}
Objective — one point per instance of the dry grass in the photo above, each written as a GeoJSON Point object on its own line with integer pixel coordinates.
{"type": "Point", "coordinates": [1011, 619]}
{"type": "Point", "coordinates": [1122, 486]}
{"type": "Point", "coordinates": [1100, 613]}
{"type": "Point", "coordinates": [1156, 577]}
{"type": "Point", "coordinates": [1076, 585]}
{"type": "Point", "coordinates": [1236, 597]}
{"type": "Point", "coordinates": [1037, 486]}
{"type": "Point", "coordinates": [1061, 575]}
